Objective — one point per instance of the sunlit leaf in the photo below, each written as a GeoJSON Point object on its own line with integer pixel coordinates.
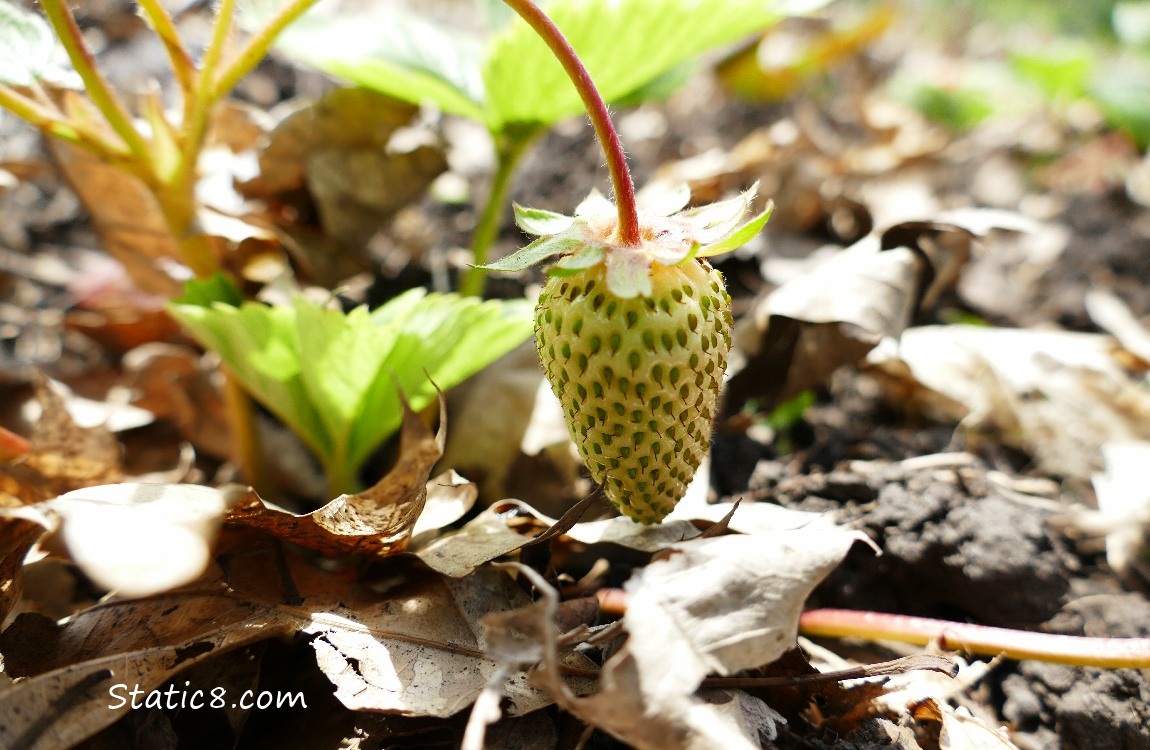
{"type": "Point", "coordinates": [511, 77]}
{"type": "Point", "coordinates": [334, 378]}
{"type": "Point", "coordinates": [625, 45]}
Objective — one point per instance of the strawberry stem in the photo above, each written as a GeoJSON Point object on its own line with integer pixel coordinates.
{"type": "Point", "coordinates": [596, 108]}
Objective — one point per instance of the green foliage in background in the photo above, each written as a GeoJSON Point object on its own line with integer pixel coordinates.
{"type": "Point", "coordinates": [1096, 53]}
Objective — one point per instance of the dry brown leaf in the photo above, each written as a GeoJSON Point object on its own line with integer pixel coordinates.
{"type": "Point", "coordinates": [835, 313]}
{"type": "Point", "coordinates": [19, 530]}
{"type": "Point", "coordinates": [416, 648]}
{"type": "Point", "coordinates": [182, 386]}
{"type": "Point", "coordinates": [829, 317]}
{"type": "Point", "coordinates": [127, 217]}
{"type": "Point", "coordinates": [484, 448]}
{"type": "Point", "coordinates": [338, 158]}
{"type": "Point", "coordinates": [61, 456]}
{"type": "Point", "coordinates": [377, 521]}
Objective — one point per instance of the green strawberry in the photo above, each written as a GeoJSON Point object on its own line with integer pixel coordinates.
{"type": "Point", "coordinates": [635, 339]}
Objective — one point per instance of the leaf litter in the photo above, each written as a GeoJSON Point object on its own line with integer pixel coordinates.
{"type": "Point", "coordinates": [993, 426]}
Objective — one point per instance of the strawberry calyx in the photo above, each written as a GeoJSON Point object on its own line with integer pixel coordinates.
{"type": "Point", "coordinates": [670, 234]}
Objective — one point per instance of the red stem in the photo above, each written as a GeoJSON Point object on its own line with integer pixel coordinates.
{"type": "Point", "coordinates": [596, 110]}
{"type": "Point", "coordinates": [1111, 653]}
{"type": "Point", "coordinates": [1115, 653]}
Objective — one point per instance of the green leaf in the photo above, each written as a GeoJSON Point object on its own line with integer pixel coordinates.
{"type": "Point", "coordinates": [29, 51]}
{"type": "Point", "coordinates": [539, 250]}
{"type": "Point", "coordinates": [394, 52]}
{"type": "Point", "coordinates": [625, 45]}
{"type": "Point", "coordinates": [540, 222]}
{"type": "Point", "coordinates": [219, 288]}
{"type": "Point", "coordinates": [739, 237]}
{"type": "Point", "coordinates": [1124, 99]}
{"type": "Point", "coordinates": [510, 78]}
{"type": "Point", "coordinates": [333, 377]}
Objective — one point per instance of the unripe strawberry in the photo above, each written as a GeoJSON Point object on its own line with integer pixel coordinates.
{"type": "Point", "coordinates": [638, 378]}
{"type": "Point", "coordinates": [635, 339]}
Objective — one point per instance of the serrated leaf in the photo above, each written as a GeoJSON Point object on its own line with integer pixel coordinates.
{"type": "Point", "coordinates": [511, 77]}
{"type": "Point", "coordinates": [333, 378]}
{"type": "Point", "coordinates": [394, 52]}
{"type": "Point", "coordinates": [539, 250]}
{"type": "Point", "coordinates": [625, 44]}
{"type": "Point", "coordinates": [538, 221]}
{"type": "Point", "coordinates": [29, 52]}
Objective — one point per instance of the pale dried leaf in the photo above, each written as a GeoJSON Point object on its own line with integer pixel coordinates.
{"type": "Point", "coordinates": [483, 446]}
{"type": "Point", "coordinates": [140, 539]}
{"type": "Point", "coordinates": [1058, 395]}
{"type": "Point", "coordinates": [829, 317]}
{"type": "Point", "coordinates": [726, 603]}
{"type": "Point", "coordinates": [1115, 317]}
{"type": "Point", "coordinates": [492, 534]}
{"type": "Point", "coordinates": [961, 731]}
{"type": "Point", "coordinates": [449, 498]}
{"type": "Point", "coordinates": [1123, 514]}
{"type": "Point", "coordinates": [62, 456]}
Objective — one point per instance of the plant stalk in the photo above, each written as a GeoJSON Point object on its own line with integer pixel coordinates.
{"type": "Point", "coordinates": [1108, 653]}
{"type": "Point", "coordinates": [621, 181]}
{"type": "Point", "coordinates": [183, 67]}
{"type": "Point", "coordinates": [257, 47]}
{"type": "Point", "coordinates": [1111, 653]}
{"type": "Point", "coordinates": [245, 441]}
{"type": "Point", "coordinates": [68, 31]}
{"type": "Point", "coordinates": [509, 151]}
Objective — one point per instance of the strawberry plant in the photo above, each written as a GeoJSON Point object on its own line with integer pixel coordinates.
{"type": "Point", "coordinates": [331, 377]}
{"type": "Point", "coordinates": [633, 326]}
{"type": "Point", "coordinates": [161, 151]}
{"type": "Point", "coordinates": [509, 81]}
{"type": "Point", "coordinates": [335, 378]}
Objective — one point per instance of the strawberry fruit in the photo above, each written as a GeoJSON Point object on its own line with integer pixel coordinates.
{"type": "Point", "coordinates": [635, 339]}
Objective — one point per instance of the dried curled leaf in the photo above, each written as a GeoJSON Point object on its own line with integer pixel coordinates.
{"type": "Point", "coordinates": [377, 521]}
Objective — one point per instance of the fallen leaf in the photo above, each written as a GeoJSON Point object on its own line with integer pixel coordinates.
{"type": "Point", "coordinates": [507, 526]}
{"type": "Point", "coordinates": [449, 498]}
{"type": "Point", "coordinates": [344, 160]}
{"type": "Point", "coordinates": [416, 648]}
{"type": "Point", "coordinates": [1058, 395]}
{"type": "Point", "coordinates": [484, 448]}
{"type": "Point", "coordinates": [687, 615]}
{"type": "Point", "coordinates": [61, 455]}
{"type": "Point", "coordinates": [377, 521]}
{"type": "Point", "coordinates": [1123, 513]}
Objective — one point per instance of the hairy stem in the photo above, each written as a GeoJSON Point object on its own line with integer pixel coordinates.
{"type": "Point", "coordinates": [621, 180]}
{"type": "Point", "coordinates": [1113, 653]}
{"type": "Point", "coordinates": [1109, 653]}
{"type": "Point", "coordinates": [245, 442]}
{"type": "Point", "coordinates": [68, 31]}
{"type": "Point", "coordinates": [509, 150]}
{"type": "Point", "coordinates": [183, 67]}
{"type": "Point", "coordinates": [257, 46]}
